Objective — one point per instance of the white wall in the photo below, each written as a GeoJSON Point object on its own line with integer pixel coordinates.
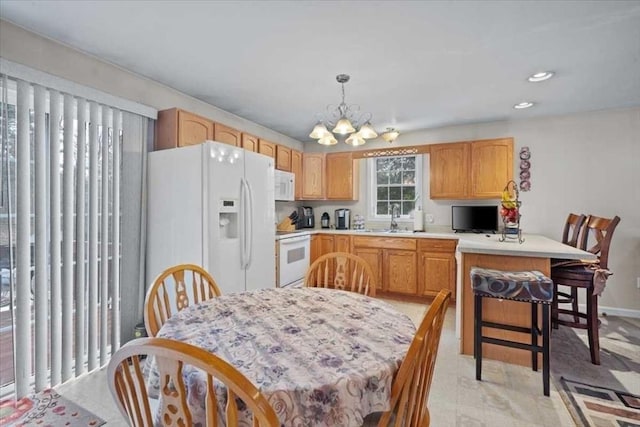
{"type": "Point", "coordinates": [27, 48]}
{"type": "Point", "coordinates": [586, 163]}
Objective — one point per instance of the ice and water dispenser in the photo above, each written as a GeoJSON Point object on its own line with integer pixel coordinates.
{"type": "Point", "coordinates": [228, 222]}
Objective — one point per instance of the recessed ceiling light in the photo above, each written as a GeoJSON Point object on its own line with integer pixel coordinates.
{"type": "Point", "coordinates": [541, 76]}
{"type": "Point", "coordinates": [523, 105]}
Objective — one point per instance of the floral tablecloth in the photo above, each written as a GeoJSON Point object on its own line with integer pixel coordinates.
{"type": "Point", "coordinates": [321, 357]}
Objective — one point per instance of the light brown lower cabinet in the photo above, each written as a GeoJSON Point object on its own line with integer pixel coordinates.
{"type": "Point", "coordinates": [373, 257]}
{"type": "Point", "coordinates": [436, 266]}
{"type": "Point", "coordinates": [342, 243]}
{"type": "Point", "coordinates": [393, 261]}
{"type": "Point", "coordinates": [322, 244]}
{"type": "Point", "coordinates": [400, 270]}
{"type": "Point", "coordinates": [402, 266]}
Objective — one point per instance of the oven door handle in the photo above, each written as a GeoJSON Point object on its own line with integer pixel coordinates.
{"type": "Point", "coordinates": [293, 240]}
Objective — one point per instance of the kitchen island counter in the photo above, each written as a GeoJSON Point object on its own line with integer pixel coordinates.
{"type": "Point", "coordinates": [534, 245]}
{"type": "Point", "coordinates": [535, 253]}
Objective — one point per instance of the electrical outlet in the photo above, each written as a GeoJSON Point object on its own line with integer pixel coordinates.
{"type": "Point", "coordinates": [429, 218]}
{"type": "Point", "coordinates": [638, 282]}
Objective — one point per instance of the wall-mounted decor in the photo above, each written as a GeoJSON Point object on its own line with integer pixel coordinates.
{"type": "Point", "coordinates": [525, 165]}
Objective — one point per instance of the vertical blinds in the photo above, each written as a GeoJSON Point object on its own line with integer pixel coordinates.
{"type": "Point", "coordinates": [61, 225]}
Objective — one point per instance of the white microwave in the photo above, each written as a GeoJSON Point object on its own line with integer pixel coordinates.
{"type": "Point", "coordinates": [285, 185]}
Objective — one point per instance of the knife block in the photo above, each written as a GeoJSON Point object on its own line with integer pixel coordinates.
{"type": "Point", "coordinates": [286, 225]}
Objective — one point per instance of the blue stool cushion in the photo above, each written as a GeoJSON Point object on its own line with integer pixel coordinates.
{"type": "Point", "coordinates": [532, 286]}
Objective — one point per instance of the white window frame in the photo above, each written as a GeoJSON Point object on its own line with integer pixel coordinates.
{"type": "Point", "coordinates": [372, 194]}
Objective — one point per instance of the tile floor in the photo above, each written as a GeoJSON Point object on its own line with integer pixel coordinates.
{"type": "Point", "coordinates": [509, 395]}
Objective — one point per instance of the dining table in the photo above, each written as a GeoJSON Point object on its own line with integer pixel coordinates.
{"type": "Point", "coordinates": [321, 357]}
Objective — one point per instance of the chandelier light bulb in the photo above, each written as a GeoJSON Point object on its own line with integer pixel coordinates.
{"type": "Point", "coordinates": [343, 127]}
{"type": "Point", "coordinates": [367, 131]}
{"type": "Point", "coordinates": [328, 140]}
{"type": "Point", "coordinates": [355, 140]}
{"type": "Point", "coordinates": [319, 131]}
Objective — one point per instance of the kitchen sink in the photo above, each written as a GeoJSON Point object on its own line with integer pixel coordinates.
{"type": "Point", "coordinates": [386, 231]}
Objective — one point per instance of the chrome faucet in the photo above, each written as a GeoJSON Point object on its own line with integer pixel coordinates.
{"type": "Point", "coordinates": [394, 214]}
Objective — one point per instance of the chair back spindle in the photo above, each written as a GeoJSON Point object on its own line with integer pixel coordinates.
{"type": "Point", "coordinates": [169, 290]}
{"type": "Point", "coordinates": [129, 389]}
{"type": "Point", "coordinates": [572, 227]}
{"type": "Point", "coordinates": [600, 230]}
{"type": "Point", "coordinates": [410, 389]}
{"type": "Point", "coordinates": [341, 270]}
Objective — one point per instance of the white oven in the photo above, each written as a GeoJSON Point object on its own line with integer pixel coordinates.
{"type": "Point", "coordinates": [293, 263]}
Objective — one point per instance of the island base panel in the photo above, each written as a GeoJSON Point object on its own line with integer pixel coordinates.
{"type": "Point", "coordinates": [500, 311]}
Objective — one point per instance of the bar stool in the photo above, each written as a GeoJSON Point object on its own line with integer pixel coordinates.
{"type": "Point", "coordinates": [531, 287]}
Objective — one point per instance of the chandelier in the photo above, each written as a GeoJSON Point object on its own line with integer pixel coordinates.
{"type": "Point", "coordinates": [344, 119]}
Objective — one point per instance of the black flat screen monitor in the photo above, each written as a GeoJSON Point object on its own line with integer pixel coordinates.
{"type": "Point", "coordinates": [478, 219]}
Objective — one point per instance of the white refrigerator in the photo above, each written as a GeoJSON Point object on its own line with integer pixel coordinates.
{"type": "Point", "coordinates": [213, 205]}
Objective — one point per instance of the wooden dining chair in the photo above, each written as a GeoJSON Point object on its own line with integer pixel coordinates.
{"type": "Point", "coordinates": [572, 227]}
{"type": "Point", "coordinates": [170, 290]}
{"type": "Point", "coordinates": [341, 270]}
{"type": "Point", "coordinates": [130, 391]}
{"type": "Point", "coordinates": [595, 238]}
{"type": "Point", "coordinates": [410, 389]}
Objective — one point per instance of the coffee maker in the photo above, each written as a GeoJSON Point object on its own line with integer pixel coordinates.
{"type": "Point", "coordinates": [324, 221]}
{"type": "Point", "coordinates": [306, 218]}
{"type": "Point", "coordinates": [343, 219]}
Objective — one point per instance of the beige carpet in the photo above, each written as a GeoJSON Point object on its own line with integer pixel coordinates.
{"type": "Point", "coordinates": [619, 367]}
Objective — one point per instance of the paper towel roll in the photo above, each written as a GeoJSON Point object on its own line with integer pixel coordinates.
{"type": "Point", "coordinates": [418, 220]}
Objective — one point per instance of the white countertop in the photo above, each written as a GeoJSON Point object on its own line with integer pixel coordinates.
{"type": "Point", "coordinates": [533, 246]}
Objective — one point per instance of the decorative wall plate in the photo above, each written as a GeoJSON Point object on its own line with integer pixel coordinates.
{"type": "Point", "coordinates": [525, 165]}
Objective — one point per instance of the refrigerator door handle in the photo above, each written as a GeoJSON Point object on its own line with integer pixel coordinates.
{"type": "Point", "coordinates": [243, 221]}
{"type": "Point", "coordinates": [249, 222]}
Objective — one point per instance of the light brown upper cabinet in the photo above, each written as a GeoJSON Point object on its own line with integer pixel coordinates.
{"type": "Point", "coordinates": [179, 128]}
{"type": "Point", "coordinates": [249, 142]}
{"type": "Point", "coordinates": [342, 176]}
{"type": "Point", "coordinates": [227, 135]}
{"type": "Point", "coordinates": [449, 170]}
{"type": "Point", "coordinates": [267, 148]}
{"type": "Point", "coordinates": [470, 170]}
{"type": "Point", "coordinates": [491, 167]}
{"type": "Point", "coordinates": [332, 176]}
{"type": "Point", "coordinates": [283, 158]}
{"type": "Point", "coordinates": [313, 176]}
{"type": "Point", "coordinates": [296, 168]}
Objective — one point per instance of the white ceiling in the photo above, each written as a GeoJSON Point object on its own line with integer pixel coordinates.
{"type": "Point", "coordinates": [413, 65]}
